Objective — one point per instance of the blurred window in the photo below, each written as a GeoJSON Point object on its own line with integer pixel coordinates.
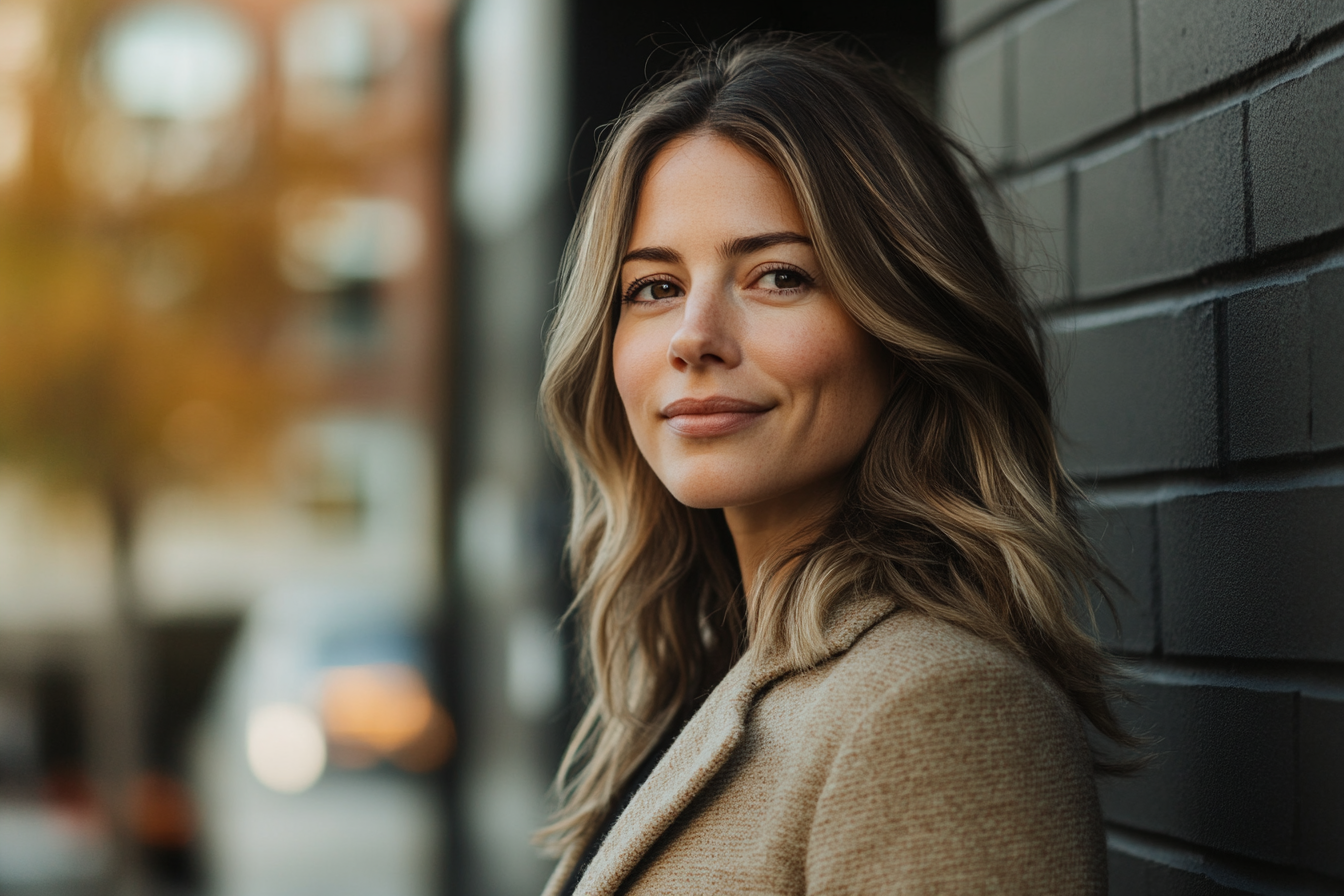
{"type": "Point", "coordinates": [15, 133]}
{"type": "Point", "coordinates": [23, 37]}
{"type": "Point", "coordinates": [177, 60]}
{"type": "Point", "coordinates": [333, 239]}
{"type": "Point", "coordinates": [334, 53]}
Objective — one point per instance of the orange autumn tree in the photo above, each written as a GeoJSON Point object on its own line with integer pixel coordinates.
{"type": "Point", "coordinates": [96, 392]}
{"type": "Point", "coordinates": [141, 313]}
{"type": "Point", "coordinates": [139, 316]}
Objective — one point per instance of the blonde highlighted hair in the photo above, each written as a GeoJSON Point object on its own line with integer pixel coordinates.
{"type": "Point", "coordinates": [958, 506]}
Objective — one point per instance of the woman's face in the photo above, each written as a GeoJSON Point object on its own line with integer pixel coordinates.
{"type": "Point", "coordinates": [745, 382]}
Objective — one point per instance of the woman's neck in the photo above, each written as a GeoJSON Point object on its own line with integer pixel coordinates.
{"type": "Point", "coordinates": [761, 531]}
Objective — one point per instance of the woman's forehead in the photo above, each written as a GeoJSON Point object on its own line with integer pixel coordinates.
{"type": "Point", "coordinates": [705, 185]}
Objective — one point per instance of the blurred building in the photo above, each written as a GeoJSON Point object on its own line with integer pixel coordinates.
{"type": "Point", "coordinates": [222, 296]}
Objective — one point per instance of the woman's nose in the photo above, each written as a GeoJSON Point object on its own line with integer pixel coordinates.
{"type": "Point", "coordinates": [707, 333]}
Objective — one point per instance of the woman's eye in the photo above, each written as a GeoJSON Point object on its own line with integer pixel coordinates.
{"type": "Point", "coordinates": [652, 291]}
{"type": "Point", "coordinates": [783, 279]}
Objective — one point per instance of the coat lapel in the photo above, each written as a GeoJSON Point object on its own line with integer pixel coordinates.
{"type": "Point", "coordinates": [700, 751]}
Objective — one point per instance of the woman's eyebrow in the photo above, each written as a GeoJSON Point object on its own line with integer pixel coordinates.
{"type": "Point", "coordinates": [653, 253]}
{"type": "Point", "coordinates": [745, 245]}
{"type": "Point", "coordinates": [742, 245]}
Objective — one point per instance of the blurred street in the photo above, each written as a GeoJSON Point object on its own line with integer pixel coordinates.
{"type": "Point", "coordinates": [221, 341]}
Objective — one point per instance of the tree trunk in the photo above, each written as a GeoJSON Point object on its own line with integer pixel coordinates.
{"type": "Point", "coordinates": [119, 698]}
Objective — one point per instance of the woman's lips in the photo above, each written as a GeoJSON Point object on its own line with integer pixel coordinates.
{"type": "Point", "coordinates": [714, 416]}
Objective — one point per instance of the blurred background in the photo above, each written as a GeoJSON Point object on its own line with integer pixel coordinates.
{"type": "Point", "coordinates": [280, 536]}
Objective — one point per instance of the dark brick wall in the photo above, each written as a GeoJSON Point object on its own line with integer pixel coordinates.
{"type": "Point", "coordinates": [1183, 164]}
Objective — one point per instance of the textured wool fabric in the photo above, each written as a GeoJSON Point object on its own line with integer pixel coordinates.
{"type": "Point", "coordinates": [917, 759]}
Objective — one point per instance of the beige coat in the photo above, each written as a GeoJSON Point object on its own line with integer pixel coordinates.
{"type": "Point", "coordinates": [918, 759]}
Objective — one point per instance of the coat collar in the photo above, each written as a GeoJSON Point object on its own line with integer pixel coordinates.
{"type": "Point", "coordinates": [699, 751]}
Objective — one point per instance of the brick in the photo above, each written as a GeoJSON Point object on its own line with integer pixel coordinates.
{"type": "Point", "coordinates": [1268, 372]}
{"type": "Point", "coordinates": [1137, 876]}
{"type": "Point", "coordinates": [1186, 46]}
{"type": "Point", "coordinates": [1321, 784]}
{"type": "Point", "coordinates": [1075, 73]}
{"type": "Point", "coordinates": [1295, 139]}
{"type": "Point", "coordinates": [1141, 394]}
{"type": "Point", "coordinates": [1041, 252]}
{"type": "Point", "coordinates": [1162, 208]}
{"type": "Point", "coordinates": [1222, 772]}
{"type": "Point", "coordinates": [1126, 874]}
{"type": "Point", "coordinates": [974, 98]}
{"type": "Point", "coordinates": [1124, 537]}
{"type": "Point", "coordinates": [1326, 314]}
{"type": "Point", "coordinates": [1254, 574]}
{"type": "Point", "coordinates": [962, 16]}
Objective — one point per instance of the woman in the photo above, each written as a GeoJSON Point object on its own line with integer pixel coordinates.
{"type": "Point", "coordinates": [822, 542]}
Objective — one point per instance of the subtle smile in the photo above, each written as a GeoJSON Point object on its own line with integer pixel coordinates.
{"type": "Point", "coordinates": [714, 416]}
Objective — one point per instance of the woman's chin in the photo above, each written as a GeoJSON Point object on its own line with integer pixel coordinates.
{"type": "Point", "coordinates": [703, 496]}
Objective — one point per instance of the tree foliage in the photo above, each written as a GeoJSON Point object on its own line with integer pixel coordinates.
{"type": "Point", "coordinates": [141, 332]}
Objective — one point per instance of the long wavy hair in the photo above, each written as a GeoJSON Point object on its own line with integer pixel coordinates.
{"type": "Point", "coordinates": [958, 506]}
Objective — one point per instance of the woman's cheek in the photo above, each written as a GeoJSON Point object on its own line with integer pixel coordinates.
{"type": "Point", "coordinates": [636, 359]}
{"type": "Point", "coordinates": [811, 357]}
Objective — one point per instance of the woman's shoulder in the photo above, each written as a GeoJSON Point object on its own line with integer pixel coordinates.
{"type": "Point", "coordinates": [940, 762]}
{"type": "Point", "coordinates": [956, 763]}
{"type": "Point", "coordinates": [910, 657]}
{"type": "Point", "coordinates": [911, 643]}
